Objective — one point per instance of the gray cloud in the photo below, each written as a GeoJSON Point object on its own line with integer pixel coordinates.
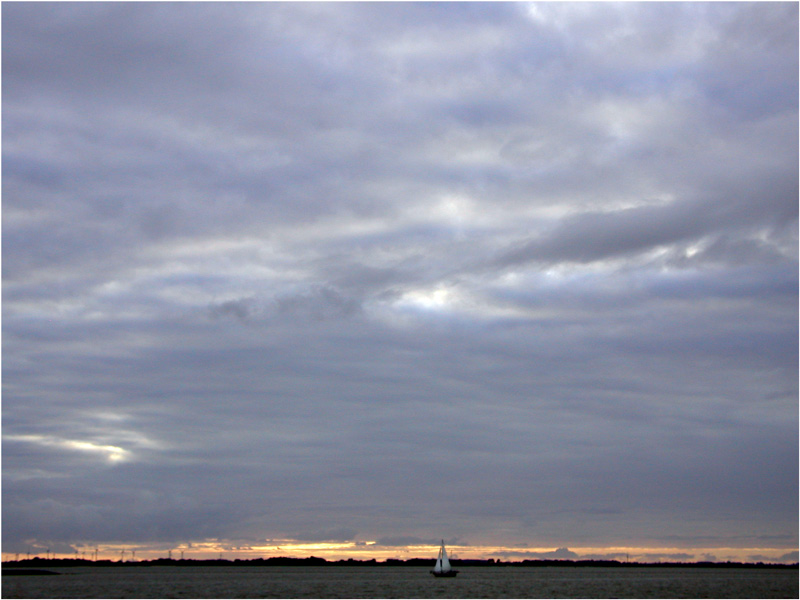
{"type": "Point", "coordinates": [400, 272]}
{"type": "Point", "coordinates": [325, 536]}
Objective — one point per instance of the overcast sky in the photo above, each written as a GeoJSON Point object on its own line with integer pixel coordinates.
{"type": "Point", "coordinates": [518, 276]}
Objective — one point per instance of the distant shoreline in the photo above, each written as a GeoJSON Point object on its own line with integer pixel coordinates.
{"type": "Point", "coordinates": [314, 561]}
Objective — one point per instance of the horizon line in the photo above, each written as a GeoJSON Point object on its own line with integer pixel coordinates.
{"type": "Point", "coordinates": [391, 561]}
{"type": "Point", "coordinates": [350, 550]}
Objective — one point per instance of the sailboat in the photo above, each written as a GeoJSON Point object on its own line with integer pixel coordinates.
{"type": "Point", "coordinates": [442, 567]}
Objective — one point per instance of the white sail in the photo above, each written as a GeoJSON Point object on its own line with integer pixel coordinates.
{"type": "Point", "coordinates": [442, 567]}
{"type": "Point", "coordinates": [445, 561]}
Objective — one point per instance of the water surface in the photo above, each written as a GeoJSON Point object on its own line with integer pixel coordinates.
{"type": "Point", "coordinates": [404, 582]}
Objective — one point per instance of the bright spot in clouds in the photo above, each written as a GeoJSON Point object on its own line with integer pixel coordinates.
{"type": "Point", "coordinates": [112, 454]}
{"type": "Point", "coordinates": [438, 299]}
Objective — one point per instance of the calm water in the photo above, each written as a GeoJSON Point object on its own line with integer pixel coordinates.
{"type": "Point", "coordinates": [403, 582]}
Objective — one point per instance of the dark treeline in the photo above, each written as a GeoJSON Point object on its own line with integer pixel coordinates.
{"type": "Point", "coordinates": [314, 561]}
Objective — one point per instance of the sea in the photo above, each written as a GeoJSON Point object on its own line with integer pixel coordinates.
{"type": "Point", "coordinates": [403, 582]}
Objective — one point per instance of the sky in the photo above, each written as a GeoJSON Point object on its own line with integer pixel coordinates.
{"type": "Point", "coordinates": [345, 280]}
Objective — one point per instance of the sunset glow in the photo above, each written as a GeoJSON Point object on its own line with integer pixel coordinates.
{"type": "Point", "coordinates": [368, 550]}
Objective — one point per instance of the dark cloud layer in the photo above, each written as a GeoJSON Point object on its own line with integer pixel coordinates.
{"type": "Point", "coordinates": [518, 274]}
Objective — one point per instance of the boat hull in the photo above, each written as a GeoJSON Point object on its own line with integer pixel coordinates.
{"type": "Point", "coordinates": [444, 573]}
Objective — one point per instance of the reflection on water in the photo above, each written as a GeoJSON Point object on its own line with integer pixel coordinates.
{"type": "Point", "coordinates": [404, 582]}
